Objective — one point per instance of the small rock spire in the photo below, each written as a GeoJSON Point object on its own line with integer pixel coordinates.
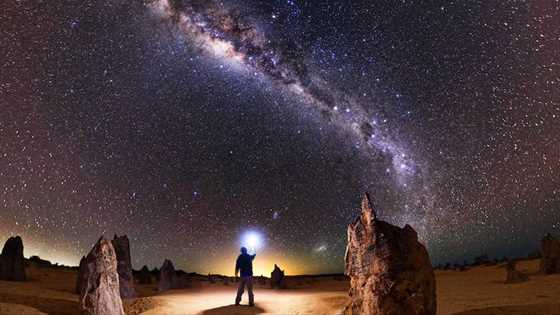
{"type": "Point", "coordinates": [367, 209]}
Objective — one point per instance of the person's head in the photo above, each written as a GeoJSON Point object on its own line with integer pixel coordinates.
{"type": "Point", "coordinates": [243, 250]}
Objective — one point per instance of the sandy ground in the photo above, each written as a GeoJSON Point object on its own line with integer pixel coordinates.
{"type": "Point", "coordinates": [220, 301]}
{"type": "Point", "coordinates": [48, 291]}
{"type": "Point", "coordinates": [17, 309]}
{"type": "Point", "coordinates": [477, 291]}
{"type": "Point", "coordinates": [482, 291]}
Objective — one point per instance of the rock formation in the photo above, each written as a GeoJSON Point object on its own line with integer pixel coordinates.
{"type": "Point", "coordinates": [82, 274]}
{"type": "Point", "coordinates": [277, 278]}
{"type": "Point", "coordinates": [99, 294]}
{"type": "Point", "coordinates": [124, 266]}
{"type": "Point", "coordinates": [514, 275]}
{"type": "Point", "coordinates": [155, 273]}
{"type": "Point", "coordinates": [550, 255]}
{"type": "Point", "coordinates": [12, 263]}
{"type": "Point", "coordinates": [166, 276]}
{"type": "Point", "coordinates": [145, 276]}
{"type": "Point", "coordinates": [390, 271]}
{"type": "Point", "coordinates": [181, 280]}
{"type": "Point", "coordinates": [39, 262]}
{"type": "Point", "coordinates": [261, 280]}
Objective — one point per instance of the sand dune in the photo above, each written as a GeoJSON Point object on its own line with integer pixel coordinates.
{"type": "Point", "coordinates": [477, 291]}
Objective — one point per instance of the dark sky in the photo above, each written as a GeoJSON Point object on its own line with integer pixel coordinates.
{"type": "Point", "coordinates": [185, 123]}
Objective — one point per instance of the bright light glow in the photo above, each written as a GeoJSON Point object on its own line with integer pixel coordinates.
{"type": "Point", "coordinates": [252, 240]}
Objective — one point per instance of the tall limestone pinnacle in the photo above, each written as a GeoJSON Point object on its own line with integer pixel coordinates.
{"type": "Point", "coordinates": [99, 293]}
{"type": "Point", "coordinates": [121, 245]}
{"type": "Point", "coordinates": [390, 271]}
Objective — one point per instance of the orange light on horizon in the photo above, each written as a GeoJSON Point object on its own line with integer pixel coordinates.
{"type": "Point", "coordinates": [67, 254]}
{"type": "Point", "coordinates": [45, 250]}
{"type": "Point", "coordinates": [262, 265]}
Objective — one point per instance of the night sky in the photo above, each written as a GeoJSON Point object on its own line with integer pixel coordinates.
{"type": "Point", "coordinates": [185, 123]}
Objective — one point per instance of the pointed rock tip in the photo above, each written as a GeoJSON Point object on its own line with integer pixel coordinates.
{"type": "Point", "coordinates": [367, 208]}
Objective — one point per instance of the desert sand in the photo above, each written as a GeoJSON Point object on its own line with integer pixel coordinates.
{"type": "Point", "coordinates": [476, 291]}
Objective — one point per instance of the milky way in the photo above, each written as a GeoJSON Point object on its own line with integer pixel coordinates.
{"type": "Point", "coordinates": [225, 34]}
{"type": "Point", "coordinates": [185, 124]}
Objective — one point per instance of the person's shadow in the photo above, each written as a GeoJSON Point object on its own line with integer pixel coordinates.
{"type": "Point", "coordinates": [234, 310]}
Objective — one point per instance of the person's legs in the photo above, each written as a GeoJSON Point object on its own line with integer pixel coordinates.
{"type": "Point", "coordinates": [250, 290]}
{"type": "Point", "coordinates": [240, 290]}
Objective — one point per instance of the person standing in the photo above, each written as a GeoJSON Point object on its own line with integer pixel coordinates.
{"type": "Point", "coordinates": [244, 265]}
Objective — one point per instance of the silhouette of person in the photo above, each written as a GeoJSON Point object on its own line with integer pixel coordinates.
{"type": "Point", "coordinates": [244, 265]}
